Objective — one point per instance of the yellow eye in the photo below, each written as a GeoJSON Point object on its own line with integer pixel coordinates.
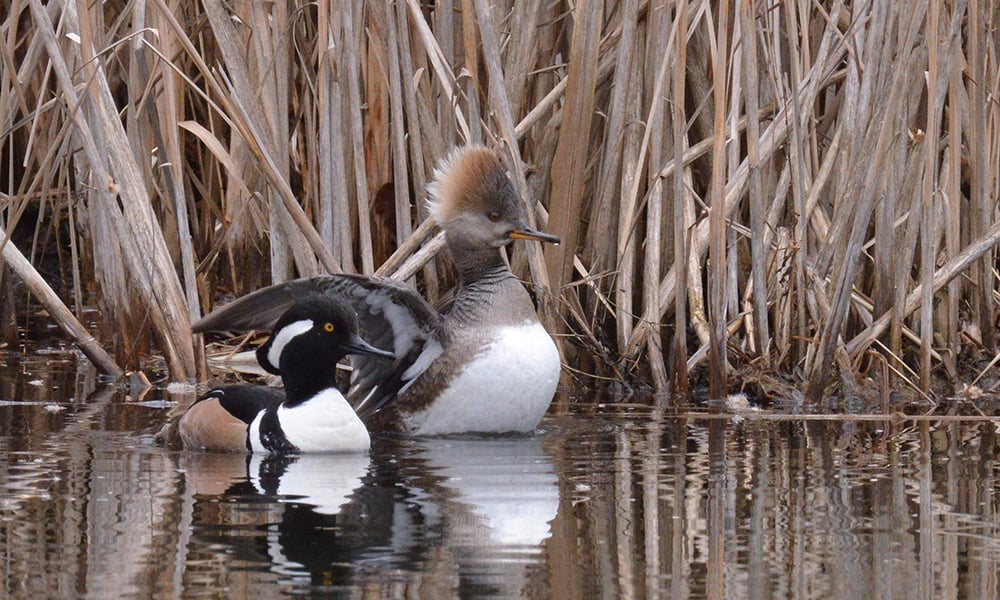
{"type": "Point", "coordinates": [328, 327]}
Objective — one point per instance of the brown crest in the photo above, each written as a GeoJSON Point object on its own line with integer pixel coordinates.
{"type": "Point", "coordinates": [462, 181]}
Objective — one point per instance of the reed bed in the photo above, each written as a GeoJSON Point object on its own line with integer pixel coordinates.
{"type": "Point", "coordinates": [779, 195]}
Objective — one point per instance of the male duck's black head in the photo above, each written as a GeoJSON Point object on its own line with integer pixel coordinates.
{"type": "Point", "coordinates": [475, 202]}
{"type": "Point", "coordinates": [308, 341]}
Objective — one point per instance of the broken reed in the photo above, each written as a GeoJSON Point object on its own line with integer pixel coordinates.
{"type": "Point", "coordinates": [798, 188]}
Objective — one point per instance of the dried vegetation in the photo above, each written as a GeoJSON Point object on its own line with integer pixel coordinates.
{"type": "Point", "coordinates": [789, 190]}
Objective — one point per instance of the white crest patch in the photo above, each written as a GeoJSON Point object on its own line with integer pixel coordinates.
{"type": "Point", "coordinates": [285, 335]}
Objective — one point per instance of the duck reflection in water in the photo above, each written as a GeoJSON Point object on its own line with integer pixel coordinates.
{"type": "Point", "coordinates": [478, 507]}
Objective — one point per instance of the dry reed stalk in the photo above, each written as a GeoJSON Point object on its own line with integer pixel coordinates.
{"type": "Point", "coordinates": [930, 184]}
{"type": "Point", "coordinates": [633, 147]}
{"type": "Point", "coordinates": [445, 32]}
{"type": "Point", "coordinates": [522, 44]}
{"type": "Point", "coordinates": [655, 247]}
{"type": "Point", "coordinates": [352, 41]}
{"type": "Point", "coordinates": [331, 165]}
{"type": "Point", "coordinates": [717, 212]}
{"type": "Point", "coordinates": [421, 152]}
{"type": "Point", "coordinates": [683, 210]}
{"type": "Point", "coordinates": [794, 164]}
{"type": "Point", "coordinates": [978, 165]}
{"type": "Point", "coordinates": [163, 115]}
{"type": "Point", "coordinates": [602, 232]}
{"type": "Point", "coordinates": [472, 81]}
{"type": "Point", "coordinates": [235, 57]}
{"type": "Point", "coordinates": [629, 225]}
{"type": "Point", "coordinates": [445, 76]}
{"type": "Point", "coordinates": [425, 232]}
{"type": "Point", "coordinates": [385, 22]}
{"type": "Point", "coordinates": [569, 166]}
{"type": "Point", "coordinates": [953, 215]}
{"type": "Point", "coordinates": [758, 234]}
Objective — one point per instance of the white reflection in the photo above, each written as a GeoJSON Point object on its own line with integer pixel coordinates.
{"type": "Point", "coordinates": [509, 484]}
{"type": "Point", "coordinates": [324, 481]}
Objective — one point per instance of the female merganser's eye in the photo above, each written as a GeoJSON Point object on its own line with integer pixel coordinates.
{"type": "Point", "coordinates": [493, 215]}
{"type": "Point", "coordinates": [328, 328]}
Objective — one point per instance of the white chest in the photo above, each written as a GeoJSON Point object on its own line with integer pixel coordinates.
{"type": "Point", "coordinates": [508, 387]}
{"type": "Point", "coordinates": [324, 423]}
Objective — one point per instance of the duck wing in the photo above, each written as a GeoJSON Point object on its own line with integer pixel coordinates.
{"type": "Point", "coordinates": [394, 316]}
{"type": "Point", "coordinates": [391, 315]}
{"type": "Point", "coordinates": [261, 309]}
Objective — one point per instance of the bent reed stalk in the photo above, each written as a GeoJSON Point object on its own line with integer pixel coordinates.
{"type": "Point", "coordinates": [787, 189]}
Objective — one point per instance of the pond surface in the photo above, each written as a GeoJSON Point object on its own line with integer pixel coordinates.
{"type": "Point", "coordinates": [606, 501]}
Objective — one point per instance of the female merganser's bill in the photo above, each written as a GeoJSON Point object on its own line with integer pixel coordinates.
{"type": "Point", "coordinates": [485, 365]}
{"type": "Point", "coordinates": [310, 414]}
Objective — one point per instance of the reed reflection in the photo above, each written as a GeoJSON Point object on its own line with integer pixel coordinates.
{"type": "Point", "coordinates": [713, 508]}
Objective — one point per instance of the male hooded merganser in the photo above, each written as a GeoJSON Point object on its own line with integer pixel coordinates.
{"type": "Point", "coordinates": [485, 365]}
{"type": "Point", "coordinates": [311, 414]}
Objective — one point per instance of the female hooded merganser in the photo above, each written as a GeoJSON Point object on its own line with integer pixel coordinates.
{"type": "Point", "coordinates": [311, 414]}
{"type": "Point", "coordinates": [487, 364]}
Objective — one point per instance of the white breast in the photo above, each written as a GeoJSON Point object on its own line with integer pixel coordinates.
{"type": "Point", "coordinates": [324, 423]}
{"type": "Point", "coordinates": [506, 388]}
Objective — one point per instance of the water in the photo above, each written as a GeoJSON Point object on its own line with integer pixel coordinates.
{"type": "Point", "coordinates": [608, 501]}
